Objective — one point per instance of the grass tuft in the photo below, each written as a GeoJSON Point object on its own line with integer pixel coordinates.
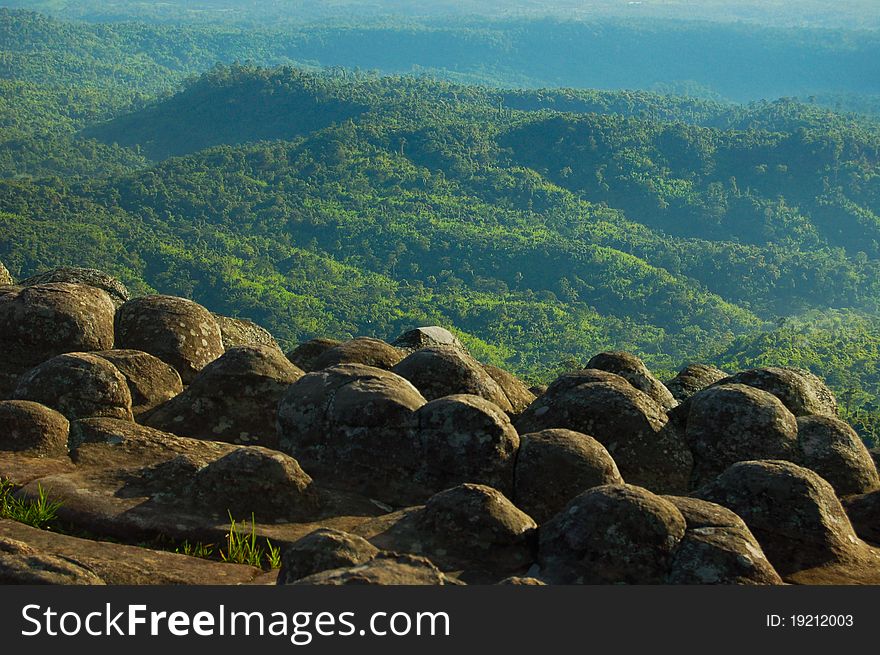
{"type": "Point", "coordinates": [39, 512]}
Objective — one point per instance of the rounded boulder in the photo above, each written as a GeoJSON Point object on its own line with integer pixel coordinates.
{"type": "Point", "coordinates": [151, 381]}
{"type": "Point", "coordinates": [178, 331]}
{"type": "Point", "coordinates": [361, 350]}
{"type": "Point", "coordinates": [633, 370]}
{"type": "Point", "coordinates": [832, 449]}
{"type": "Point", "coordinates": [32, 429]}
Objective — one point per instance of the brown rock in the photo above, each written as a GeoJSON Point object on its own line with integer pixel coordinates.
{"type": "Point", "coordinates": [32, 429]}
{"type": "Point", "coordinates": [323, 550]}
{"type": "Point", "coordinates": [306, 354]}
{"type": "Point", "coordinates": [40, 322]}
{"type": "Point", "coordinates": [427, 336]}
{"type": "Point", "coordinates": [609, 535]}
{"type": "Point", "coordinates": [351, 426]}
{"type": "Point", "coordinates": [732, 423]}
{"type": "Point", "coordinates": [151, 381]}
{"type": "Point", "coordinates": [633, 370]}
{"type": "Point", "coordinates": [119, 564]}
{"type": "Point", "coordinates": [88, 276]}
{"type": "Point", "coordinates": [5, 277]}
{"type": "Point", "coordinates": [362, 350]}
{"type": "Point", "coordinates": [799, 390]}
{"type": "Point", "coordinates": [832, 449]}
{"type": "Point", "coordinates": [23, 564]}
{"type": "Point", "coordinates": [521, 581]}
{"type": "Point", "coordinates": [693, 378]}
{"type": "Point", "coordinates": [178, 331]}
{"type": "Point", "coordinates": [863, 511]}
{"type": "Point", "coordinates": [463, 438]}
{"type": "Point", "coordinates": [538, 390]}
{"type": "Point", "coordinates": [442, 371]}
{"type": "Point", "coordinates": [554, 466]}
{"type": "Point", "coordinates": [384, 569]}
{"type": "Point", "coordinates": [517, 393]}
{"type": "Point", "coordinates": [718, 548]}
{"type": "Point", "coordinates": [470, 528]}
{"type": "Point", "coordinates": [234, 399]}
{"type": "Point", "coordinates": [631, 426]}
{"type": "Point", "coordinates": [79, 385]}
{"type": "Point", "coordinates": [242, 332]}
{"type": "Point", "coordinates": [792, 511]}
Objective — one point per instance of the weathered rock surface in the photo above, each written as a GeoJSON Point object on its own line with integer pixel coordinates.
{"type": "Point", "coordinates": [633, 370]}
{"type": "Point", "coordinates": [799, 390]}
{"type": "Point", "coordinates": [306, 354]}
{"type": "Point", "coordinates": [717, 548]}
{"type": "Point", "coordinates": [427, 336]}
{"type": "Point", "coordinates": [518, 394]}
{"type": "Point", "coordinates": [242, 332]}
{"type": "Point", "coordinates": [234, 399]}
{"type": "Point", "coordinates": [180, 332]}
{"type": "Point", "coordinates": [40, 322]}
{"type": "Point", "coordinates": [609, 535]}
{"type": "Point", "coordinates": [731, 423]}
{"type": "Point", "coordinates": [438, 371]}
{"type": "Point", "coordinates": [463, 438]}
{"type": "Point", "coordinates": [832, 449]}
{"type": "Point", "coordinates": [23, 564]}
{"type": "Point", "coordinates": [79, 385]}
{"type": "Point", "coordinates": [323, 550]}
{"type": "Point", "coordinates": [795, 516]}
{"type": "Point", "coordinates": [553, 466]}
{"type": "Point", "coordinates": [352, 426]}
{"type": "Point", "coordinates": [89, 276]}
{"type": "Point", "coordinates": [361, 350]}
{"type": "Point", "coordinates": [384, 569]}
{"type": "Point", "coordinates": [32, 429]}
{"type": "Point", "coordinates": [472, 529]}
{"type": "Point", "coordinates": [863, 511]}
{"type": "Point", "coordinates": [631, 426]}
{"type": "Point", "coordinates": [6, 278]}
{"type": "Point", "coordinates": [523, 581]}
{"type": "Point", "coordinates": [693, 378]}
{"type": "Point", "coordinates": [87, 561]}
{"type": "Point", "coordinates": [151, 381]}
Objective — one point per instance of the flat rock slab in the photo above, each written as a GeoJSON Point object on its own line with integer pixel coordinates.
{"type": "Point", "coordinates": [105, 502]}
{"type": "Point", "coordinates": [23, 469]}
{"type": "Point", "coordinates": [119, 564]}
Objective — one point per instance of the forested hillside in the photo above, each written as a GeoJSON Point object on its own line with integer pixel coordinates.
{"type": "Point", "coordinates": [545, 225]}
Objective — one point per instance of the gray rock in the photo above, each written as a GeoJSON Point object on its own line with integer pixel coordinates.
{"type": "Point", "coordinates": [832, 449]}
{"type": "Point", "coordinates": [442, 371]}
{"type": "Point", "coordinates": [32, 429]}
{"type": "Point", "coordinates": [631, 426]}
{"type": "Point", "coordinates": [351, 426]}
{"type": "Point", "coordinates": [362, 350]}
{"type": "Point", "coordinates": [463, 438]}
{"type": "Point", "coordinates": [518, 394]}
{"type": "Point", "coordinates": [40, 322]}
{"type": "Point", "coordinates": [306, 354]}
{"type": "Point", "coordinates": [693, 378]}
{"type": "Point", "coordinates": [88, 276]}
{"type": "Point", "coordinates": [633, 370]}
{"type": "Point", "coordinates": [151, 381]}
{"type": "Point", "coordinates": [180, 332]}
{"type": "Point", "coordinates": [717, 548]}
{"type": "Point", "coordinates": [427, 336]}
{"type": "Point", "coordinates": [243, 332]}
{"type": "Point", "coordinates": [732, 423]}
{"type": "Point", "coordinates": [799, 390]}
{"type": "Point", "coordinates": [553, 466]}
{"type": "Point", "coordinates": [793, 512]}
{"type": "Point", "coordinates": [234, 399]}
{"type": "Point", "coordinates": [323, 550]}
{"type": "Point", "coordinates": [79, 385]}
{"type": "Point", "coordinates": [610, 535]}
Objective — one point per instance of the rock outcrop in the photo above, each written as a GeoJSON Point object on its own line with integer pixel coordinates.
{"type": "Point", "coordinates": [242, 332]}
{"type": "Point", "coordinates": [693, 378]}
{"type": "Point", "coordinates": [151, 381]}
{"type": "Point", "coordinates": [633, 370]}
{"type": "Point", "coordinates": [361, 350]}
{"type": "Point", "coordinates": [89, 276]}
{"type": "Point", "coordinates": [180, 332]}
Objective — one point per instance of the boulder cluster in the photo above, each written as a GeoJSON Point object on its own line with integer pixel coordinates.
{"type": "Point", "coordinates": [407, 462]}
